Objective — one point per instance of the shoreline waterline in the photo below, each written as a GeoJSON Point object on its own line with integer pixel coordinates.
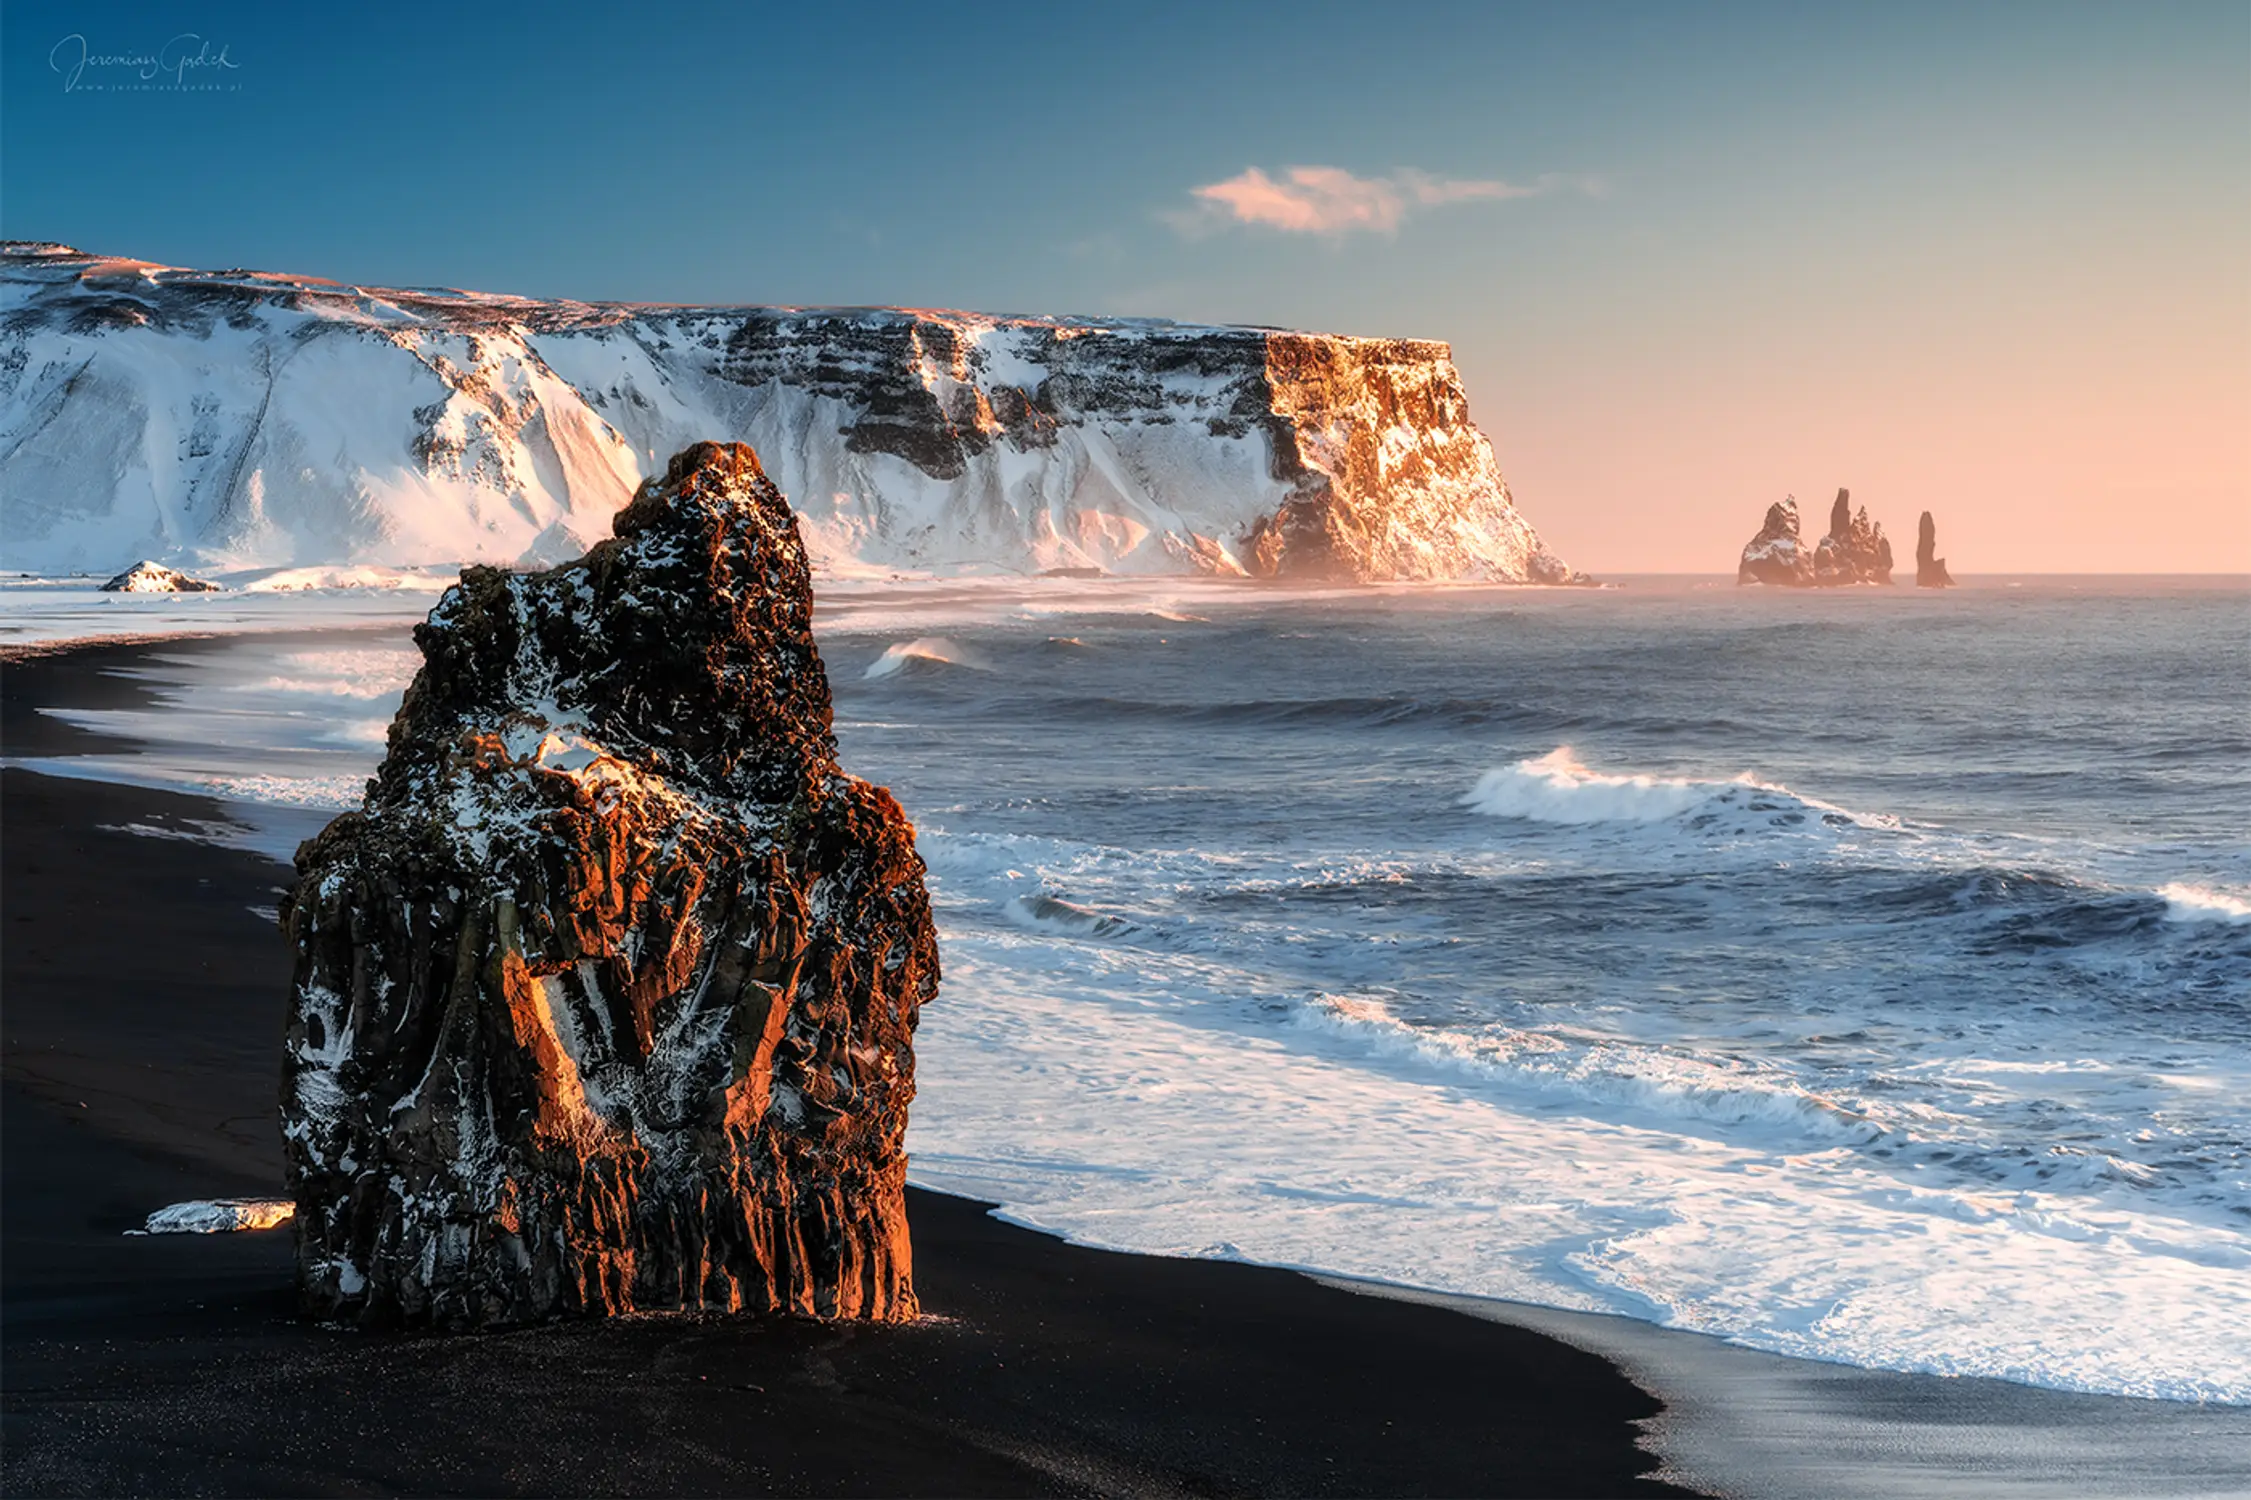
{"type": "Point", "coordinates": [1090, 922]}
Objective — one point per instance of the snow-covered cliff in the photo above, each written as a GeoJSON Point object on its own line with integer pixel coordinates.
{"type": "Point", "coordinates": [239, 419]}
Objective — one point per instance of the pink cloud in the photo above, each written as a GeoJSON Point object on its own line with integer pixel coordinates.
{"type": "Point", "coordinates": [1332, 201]}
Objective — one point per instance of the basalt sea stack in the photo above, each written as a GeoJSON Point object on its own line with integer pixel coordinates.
{"type": "Point", "coordinates": [1930, 568]}
{"type": "Point", "coordinates": [1777, 554]}
{"type": "Point", "coordinates": [1855, 550]}
{"type": "Point", "coordinates": [605, 999]}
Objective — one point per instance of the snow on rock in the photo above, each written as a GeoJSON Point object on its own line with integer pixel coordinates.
{"type": "Point", "coordinates": [1777, 554]}
{"type": "Point", "coordinates": [605, 998]}
{"type": "Point", "coordinates": [1854, 551]}
{"type": "Point", "coordinates": [219, 1216]}
{"type": "Point", "coordinates": [234, 419]}
{"type": "Point", "coordinates": [147, 577]}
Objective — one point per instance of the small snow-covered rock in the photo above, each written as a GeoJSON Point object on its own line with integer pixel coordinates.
{"type": "Point", "coordinates": [605, 999]}
{"type": "Point", "coordinates": [147, 577]}
{"type": "Point", "coordinates": [220, 1216]}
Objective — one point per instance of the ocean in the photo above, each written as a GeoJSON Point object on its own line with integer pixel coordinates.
{"type": "Point", "coordinates": [1863, 975]}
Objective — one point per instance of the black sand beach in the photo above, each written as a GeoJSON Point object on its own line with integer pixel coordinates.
{"type": "Point", "coordinates": [143, 988]}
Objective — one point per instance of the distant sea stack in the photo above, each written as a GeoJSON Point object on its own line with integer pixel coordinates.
{"type": "Point", "coordinates": [235, 419]}
{"type": "Point", "coordinates": [605, 999]}
{"type": "Point", "coordinates": [1777, 554]}
{"type": "Point", "coordinates": [1854, 551]}
{"type": "Point", "coordinates": [1930, 568]}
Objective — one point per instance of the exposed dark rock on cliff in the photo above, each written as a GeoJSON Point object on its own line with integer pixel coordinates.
{"type": "Point", "coordinates": [1930, 568]}
{"type": "Point", "coordinates": [435, 425]}
{"type": "Point", "coordinates": [605, 999]}
{"type": "Point", "coordinates": [1777, 554]}
{"type": "Point", "coordinates": [1854, 551]}
{"type": "Point", "coordinates": [147, 577]}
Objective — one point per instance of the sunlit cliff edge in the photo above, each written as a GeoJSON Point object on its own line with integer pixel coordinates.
{"type": "Point", "coordinates": [241, 419]}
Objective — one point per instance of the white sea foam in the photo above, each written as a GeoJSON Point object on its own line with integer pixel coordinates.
{"type": "Point", "coordinates": [364, 674]}
{"type": "Point", "coordinates": [1171, 1118]}
{"type": "Point", "coordinates": [350, 576]}
{"type": "Point", "coordinates": [2202, 903]}
{"type": "Point", "coordinates": [317, 793]}
{"type": "Point", "coordinates": [1557, 788]}
{"type": "Point", "coordinates": [1665, 1086]}
{"type": "Point", "coordinates": [890, 603]}
{"type": "Point", "coordinates": [1562, 1163]}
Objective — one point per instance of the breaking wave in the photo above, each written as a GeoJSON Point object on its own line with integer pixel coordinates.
{"type": "Point", "coordinates": [921, 654]}
{"type": "Point", "coordinates": [1558, 788]}
{"type": "Point", "coordinates": [1040, 912]}
{"type": "Point", "coordinates": [1675, 1084]}
{"type": "Point", "coordinates": [2201, 903]}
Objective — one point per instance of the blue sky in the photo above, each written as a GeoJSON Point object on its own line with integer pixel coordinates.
{"type": "Point", "coordinates": [1994, 260]}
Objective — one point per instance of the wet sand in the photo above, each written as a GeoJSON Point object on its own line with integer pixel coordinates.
{"type": "Point", "coordinates": [1744, 1423]}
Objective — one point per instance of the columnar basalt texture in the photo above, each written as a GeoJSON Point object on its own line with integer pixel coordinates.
{"type": "Point", "coordinates": [240, 419]}
{"type": "Point", "coordinates": [605, 999]}
{"type": "Point", "coordinates": [1930, 568]}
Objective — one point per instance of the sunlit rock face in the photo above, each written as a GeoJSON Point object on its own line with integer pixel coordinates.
{"type": "Point", "coordinates": [1388, 478]}
{"type": "Point", "coordinates": [242, 419]}
{"type": "Point", "coordinates": [605, 999]}
{"type": "Point", "coordinates": [1854, 551]}
{"type": "Point", "coordinates": [1930, 568]}
{"type": "Point", "coordinates": [146, 577]}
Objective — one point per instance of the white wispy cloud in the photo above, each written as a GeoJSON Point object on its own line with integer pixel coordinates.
{"type": "Point", "coordinates": [1332, 201]}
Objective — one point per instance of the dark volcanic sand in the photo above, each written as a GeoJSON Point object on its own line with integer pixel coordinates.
{"type": "Point", "coordinates": [142, 1014]}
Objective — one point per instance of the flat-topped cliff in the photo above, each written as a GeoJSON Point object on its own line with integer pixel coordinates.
{"type": "Point", "coordinates": [240, 419]}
